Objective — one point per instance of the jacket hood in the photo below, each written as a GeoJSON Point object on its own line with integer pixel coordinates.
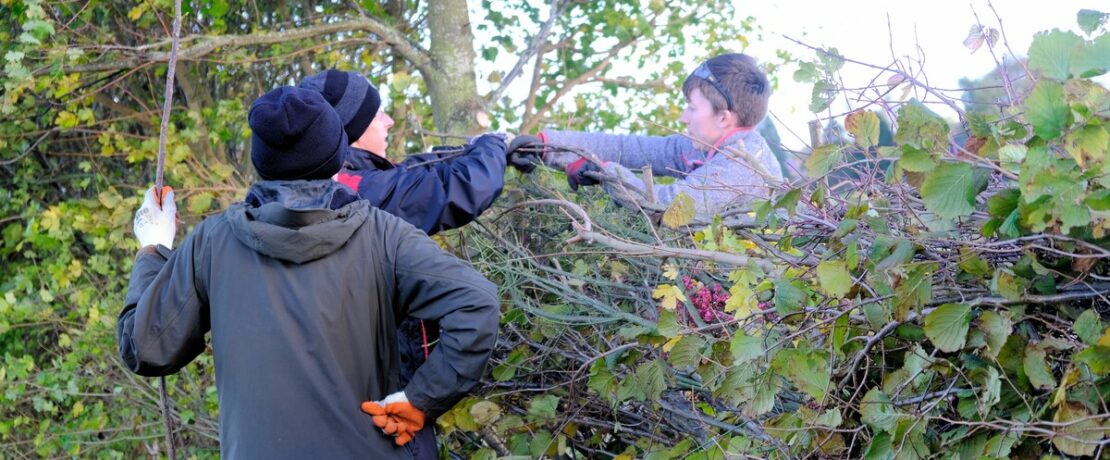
{"type": "Point", "coordinates": [297, 221]}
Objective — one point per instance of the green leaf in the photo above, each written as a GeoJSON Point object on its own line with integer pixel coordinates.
{"type": "Point", "coordinates": [1047, 110]}
{"type": "Point", "coordinates": [949, 191]}
{"type": "Point", "coordinates": [1008, 285]}
{"type": "Point", "coordinates": [506, 371]}
{"type": "Point", "coordinates": [807, 72]}
{"type": "Point", "coordinates": [916, 160]}
{"type": "Point", "coordinates": [1097, 357]}
{"type": "Point", "coordinates": [947, 326]}
{"type": "Point", "coordinates": [680, 212]}
{"type": "Point", "coordinates": [1074, 216]}
{"type": "Point", "coordinates": [996, 326]}
{"type": "Point", "coordinates": [601, 379]}
{"type": "Point", "coordinates": [920, 127]}
{"type": "Point", "coordinates": [1051, 53]}
{"type": "Point", "coordinates": [764, 399]}
{"type": "Point", "coordinates": [788, 297]}
{"type": "Point", "coordinates": [38, 28]}
{"type": "Point", "coordinates": [686, 354]}
{"type": "Point", "coordinates": [807, 369]}
{"type": "Point", "coordinates": [910, 439]}
{"type": "Point", "coordinates": [650, 378]}
{"type": "Point", "coordinates": [834, 278]}
{"type": "Point", "coordinates": [864, 126]}
{"type": "Point", "coordinates": [668, 324]}
{"type": "Point", "coordinates": [745, 348]}
{"type": "Point", "coordinates": [1011, 156]}
{"type": "Point", "coordinates": [1088, 326]}
{"type": "Point", "coordinates": [823, 159]}
{"type": "Point", "coordinates": [989, 390]}
{"type": "Point", "coordinates": [1090, 20]}
{"type": "Point", "coordinates": [540, 444]}
{"type": "Point", "coordinates": [840, 334]}
{"type": "Point", "coordinates": [1037, 369]}
{"type": "Point", "coordinates": [880, 448]}
{"type": "Point", "coordinates": [971, 263]}
{"type": "Point", "coordinates": [543, 408]}
{"type": "Point", "coordinates": [830, 418]}
{"type": "Point", "coordinates": [878, 412]}
{"type": "Point", "coordinates": [1093, 59]}
{"type": "Point", "coordinates": [915, 290]}
{"type": "Point", "coordinates": [823, 94]}
{"type": "Point", "coordinates": [789, 200]}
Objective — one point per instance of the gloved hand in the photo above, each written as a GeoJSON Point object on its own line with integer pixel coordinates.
{"type": "Point", "coordinates": [396, 416]}
{"type": "Point", "coordinates": [156, 220]}
{"type": "Point", "coordinates": [576, 173]}
{"type": "Point", "coordinates": [503, 136]}
{"type": "Point", "coordinates": [524, 153]}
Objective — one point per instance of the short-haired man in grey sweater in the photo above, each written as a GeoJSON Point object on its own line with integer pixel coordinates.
{"type": "Point", "coordinates": [720, 162]}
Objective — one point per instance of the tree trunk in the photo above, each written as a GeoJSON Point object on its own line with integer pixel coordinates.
{"type": "Point", "coordinates": [456, 106]}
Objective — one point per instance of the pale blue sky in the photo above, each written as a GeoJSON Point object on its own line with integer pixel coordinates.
{"type": "Point", "coordinates": [933, 30]}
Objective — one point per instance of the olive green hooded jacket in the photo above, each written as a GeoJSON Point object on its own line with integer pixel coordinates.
{"type": "Point", "coordinates": [302, 287]}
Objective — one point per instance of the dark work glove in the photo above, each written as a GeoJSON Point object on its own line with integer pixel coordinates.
{"type": "Point", "coordinates": [524, 153]}
{"type": "Point", "coordinates": [576, 173]}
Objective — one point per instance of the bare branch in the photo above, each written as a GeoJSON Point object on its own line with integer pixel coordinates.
{"type": "Point", "coordinates": [557, 7]}
{"type": "Point", "coordinates": [202, 45]}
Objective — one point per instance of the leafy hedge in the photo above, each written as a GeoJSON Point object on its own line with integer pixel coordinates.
{"type": "Point", "coordinates": [939, 296]}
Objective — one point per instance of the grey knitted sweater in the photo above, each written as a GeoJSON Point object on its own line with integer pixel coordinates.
{"type": "Point", "coordinates": [715, 181]}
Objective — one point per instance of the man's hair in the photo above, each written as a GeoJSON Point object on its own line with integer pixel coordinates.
{"type": "Point", "coordinates": [739, 76]}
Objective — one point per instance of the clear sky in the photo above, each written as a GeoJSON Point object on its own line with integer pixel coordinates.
{"type": "Point", "coordinates": [859, 30]}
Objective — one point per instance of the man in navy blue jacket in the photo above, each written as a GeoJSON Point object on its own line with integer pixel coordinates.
{"type": "Point", "coordinates": [434, 192]}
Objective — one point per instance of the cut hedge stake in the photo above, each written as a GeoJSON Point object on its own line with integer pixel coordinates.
{"type": "Point", "coordinates": [167, 422]}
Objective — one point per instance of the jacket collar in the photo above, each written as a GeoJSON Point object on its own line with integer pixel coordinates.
{"type": "Point", "coordinates": [358, 159]}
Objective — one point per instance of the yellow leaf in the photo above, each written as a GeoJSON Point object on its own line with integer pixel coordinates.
{"type": "Point", "coordinates": [864, 126]}
{"type": "Point", "coordinates": [669, 296]}
{"type": "Point", "coordinates": [66, 119]}
{"type": "Point", "coordinates": [741, 301]}
{"type": "Point", "coordinates": [1105, 339]}
{"type": "Point", "coordinates": [671, 343]}
{"type": "Point", "coordinates": [135, 13]}
{"type": "Point", "coordinates": [1078, 433]}
{"type": "Point", "coordinates": [1070, 377]}
{"type": "Point", "coordinates": [681, 211]}
{"type": "Point", "coordinates": [485, 412]}
{"type": "Point", "coordinates": [670, 271]}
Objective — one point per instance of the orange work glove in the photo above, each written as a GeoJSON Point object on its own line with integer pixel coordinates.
{"type": "Point", "coordinates": [396, 416]}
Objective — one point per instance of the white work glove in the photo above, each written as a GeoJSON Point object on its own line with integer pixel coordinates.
{"type": "Point", "coordinates": [395, 397]}
{"type": "Point", "coordinates": [156, 224]}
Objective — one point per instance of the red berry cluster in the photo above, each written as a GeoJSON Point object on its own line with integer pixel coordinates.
{"type": "Point", "coordinates": [709, 302]}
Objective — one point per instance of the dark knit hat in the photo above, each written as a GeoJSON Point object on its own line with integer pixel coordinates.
{"type": "Point", "coordinates": [354, 98]}
{"type": "Point", "coordinates": [295, 134]}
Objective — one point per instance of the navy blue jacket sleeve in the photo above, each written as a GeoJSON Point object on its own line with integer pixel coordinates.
{"type": "Point", "coordinates": [436, 193]}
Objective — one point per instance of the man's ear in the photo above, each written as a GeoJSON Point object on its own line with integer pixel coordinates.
{"type": "Point", "coordinates": [727, 119]}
